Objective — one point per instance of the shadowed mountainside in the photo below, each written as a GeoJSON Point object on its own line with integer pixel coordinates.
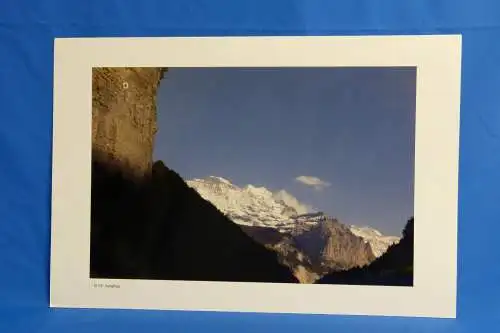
{"type": "Point", "coordinates": [393, 268]}
{"type": "Point", "coordinates": [288, 252]}
{"type": "Point", "coordinates": [159, 228]}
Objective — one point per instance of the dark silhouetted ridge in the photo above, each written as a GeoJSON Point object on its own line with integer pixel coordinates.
{"type": "Point", "coordinates": [157, 227]}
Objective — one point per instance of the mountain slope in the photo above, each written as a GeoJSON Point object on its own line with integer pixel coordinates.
{"type": "Point", "coordinates": [288, 251]}
{"type": "Point", "coordinates": [160, 228]}
{"type": "Point", "coordinates": [310, 243]}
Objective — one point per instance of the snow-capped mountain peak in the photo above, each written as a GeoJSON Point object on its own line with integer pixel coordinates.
{"type": "Point", "coordinates": [258, 191]}
{"type": "Point", "coordinates": [258, 206]}
{"type": "Point", "coordinates": [291, 201]}
{"type": "Point", "coordinates": [378, 242]}
{"type": "Point", "coordinates": [248, 205]}
{"type": "Point", "coordinates": [220, 179]}
{"type": "Point", "coordinates": [367, 231]}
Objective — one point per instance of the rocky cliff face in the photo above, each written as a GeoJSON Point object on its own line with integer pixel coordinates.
{"type": "Point", "coordinates": [124, 116]}
{"type": "Point", "coordinates": [146, 223]}
{"type": "Point", "coordinates": [331, 246]}
{"type": "Point", "coordinates": [393, 268]}
{"type": "Point", "coordinates": [316, 250]}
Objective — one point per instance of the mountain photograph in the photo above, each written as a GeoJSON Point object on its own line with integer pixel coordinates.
{"type": "Point", "coordinates": [270, 175]}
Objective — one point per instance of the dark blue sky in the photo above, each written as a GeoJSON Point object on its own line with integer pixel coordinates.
{"type": "Point", "coordinates": [350, 127]}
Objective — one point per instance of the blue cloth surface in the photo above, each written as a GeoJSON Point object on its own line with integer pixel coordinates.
{"type": "Point", "coordinates": [27, 30]}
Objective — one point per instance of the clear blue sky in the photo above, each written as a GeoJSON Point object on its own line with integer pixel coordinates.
{"type": "Point", "coordinates": [352, 128]}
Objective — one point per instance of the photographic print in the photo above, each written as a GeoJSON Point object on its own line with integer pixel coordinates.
{"type": "Point", "coordinates": [257, 174]}
{"type": "Point", "coordinates": [288, 175]}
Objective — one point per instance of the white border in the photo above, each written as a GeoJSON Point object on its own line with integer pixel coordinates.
{"type": "Point", "coordinates": [438, 60]}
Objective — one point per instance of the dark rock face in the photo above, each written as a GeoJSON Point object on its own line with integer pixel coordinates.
{"type": "Point", "coordinates": [393, 268]}
{"type": "Point", "coordinates": [146, 223]}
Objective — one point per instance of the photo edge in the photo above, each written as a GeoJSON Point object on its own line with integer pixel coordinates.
{"type": "Point", "coordinates": [65, 43]}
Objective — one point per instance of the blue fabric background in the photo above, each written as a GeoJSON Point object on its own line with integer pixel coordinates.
{"type": "Point", "coordinates": [27, 29]}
